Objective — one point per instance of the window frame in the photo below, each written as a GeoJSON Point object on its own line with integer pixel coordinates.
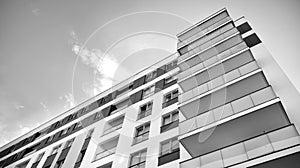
{"type": "Point", "coordinates": [55, 149]}
{"type": "Point", "coordinates": [170, 149]}
{"type": "Point", "coordinates": [171, 115]}
{"type": "Point", "coordinates": [147, 111]}
{"type": "Point", "coordinates": [143, 133]}
{"type": "Point", "coordinates": [111, 129]}
{"type": "Point", "coordinates": [151, 91]}
{"type": "Point", "coordinates": [140, 155]}
{"type": "Point", "coordinates": [150, 76]}
{"type": "Point", "coordinates": [172, 94]}
{"type": "Point", "coordinates": [69, 143]}
{"type": "Point", "coordinates": [108, 150]}
{"type": "Point", "coordinates": [171, 65]}
{"type": "Point", "coordinates": [40, 157]}
{"type": "Point", "coordinates": [59, 164]}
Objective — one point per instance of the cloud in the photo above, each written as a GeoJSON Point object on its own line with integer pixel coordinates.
{"type": "Point", "coordinates": [24, 130]}
{"type": "Point", "coordinates": [19, 107]}
{"type": "Point", "coordinates": [103, 65]}
{"type": "Point", "coordinates": [36, 11]}
{"type": "Point", "coordinates": [44, 106]}
{"type": "Point", "coordinates": [69, 100]}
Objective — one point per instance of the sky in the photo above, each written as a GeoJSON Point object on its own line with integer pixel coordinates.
{"type": "Point", "coordinates": [55, 54]}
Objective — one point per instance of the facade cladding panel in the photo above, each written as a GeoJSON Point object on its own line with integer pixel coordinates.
{"type": "Point", "coordinates": [212, 102]}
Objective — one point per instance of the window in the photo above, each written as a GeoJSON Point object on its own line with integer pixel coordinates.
{"type": "Point", "coordinates": [69, 143]}
{"type": "Point", "coordinates": [170, 117]}
{"type": "Point", "coordinates": [124, 90]}
{"type": "Point", "coordinates": [59, 164]}
{"type": "Point", "coordinates": [252, 40]}
{"type": "Point", "coordinates": [49, 139]}
{"type": "Point", "coordinates": [113, 125]}
{"type": "Point", "coordinates": [138, 159]}
{"type": "Point", "coordinates": [40, 156]}
{"type": "Point", "coordinates": [72, 116]}
{"type": "Point", "coordinates": [171, 65]}
{"type": "Point", "coordinates": [145, 110]}
{"type": "Point", "coordinates": [121, 105]}
{"type": "Point", "coordinates": [107, 165]}
{"type": "Point", "coordinates": [23, 165]}
{"type": "Point", "coordinates": [169, 146]}
{"type": "Point", "coordinates": [106, 148]}
{"type": "Point", "coordinates": [169, 79]}
{"type": "Point", "coordinates": [77, 125]}
{"type": "Point", "coordinates": [80, 156]}
{"type": "Point", "coordinates": [55, 149]}
{"type": "Point", "coordinates": [170, 98]}
{"type": "Point", "coordinates": [171, 95]}
{"type": "Point", "coordinates": [148, 91]}
{"type": "Point", "coordinates": [57, 124]}
{"type": "Point", "coordinates": [169, 151]}
{"type": "Point", "coordinates": [141, 133]}
{"type": "Point", "coordinates": [63, 132]}
{"type": "Point", "coordinates": [98, 115]}
{"type": "Point", "coordinates": [151, 76]}
{"type": "Point", "coordinates": [90, 133]}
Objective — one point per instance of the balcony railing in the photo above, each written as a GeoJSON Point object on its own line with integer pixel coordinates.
{"type": "Point", "coordinates": [196, 48]}
{"type": "Point", "coordinates": [226, 110]}
{"type": "Point", "coordinates": [169, 126]}
{"type": "Point", "coordinates": [170, 102]}
{"type": "Point", "coordinates": [218, 81]}
{"type": "Point", "coordinates": [212, 38]}
{"type": "Point", "coordinates": [141, 138]}
{"type": "Point", "coordinates": [255, 147]}
{"type": "Point", "coordinates": [107, 131]}
{"type": "Point", "coordinates": [202, 25]}
{"type": "Point", "coordinates": [145, 113]}
{"type": "Point", "coordinates": [203, 32]}
{"type": "Point", "coordinates": [169, 157]}
{"type": "Point", "coordinates": [188, 69]}
{"type": "Point", "coordinates": [105, 153]}
{"type": "Point", "coordinates": [139, 165]}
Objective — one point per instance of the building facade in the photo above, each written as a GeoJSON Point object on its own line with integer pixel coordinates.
{"type": "Point", "coordinates": [219, 101]}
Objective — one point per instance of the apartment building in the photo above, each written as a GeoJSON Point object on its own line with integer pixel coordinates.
{"type": "Point", "coordinates": [219, 101]}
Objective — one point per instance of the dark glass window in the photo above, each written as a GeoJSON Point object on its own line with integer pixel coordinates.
{"type": "Point", "coordinates": [141, 133]}
{"type": "Point", "coordinates": [170, 117]}
{"type": "Point", "coordinates": [145, 110]}
{"type": "Point", "coordinates": [138, 159]}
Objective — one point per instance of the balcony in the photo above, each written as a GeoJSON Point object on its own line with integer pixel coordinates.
{"type": "Point", "coordinates": [169, 126]}
{"type": "Point", "coordinates": [235, 129]}
{"type": "Point", "coordinates": [195, 65]}
{"type": "Point", "coordinates": [203, 32]}
{"type": "Point", "coordinates": [221, 112]}
{"type": "Point", "coordinates": [255, 147]}
{"type": "Point", "coordinates": [169, 157]}
{"type": "Point", "coordinates": [139, 165]}
{"type": "Point", "coordinates": [144, 114]}
{"type": "Point", "coordinates": [200, 54]}
{"type": "Point", "coordinates": [203, 24]}
{"type": "Point", "coordinates": [217, 43]}
{"type": "Point", "coordinates": [141, 138]}
{"type": "Point", "coordinates": [212, 38]}
{"type": "Point", "coordinates": [170, 102]}
{"type": "Point", "coordinates": [229, 92]}
{"type": "Point", "coordinates": [219, 80]}
{"type": "Point", "coordinates": [109, 130]}
{"type": "Point", "coordinates": [105, 153]}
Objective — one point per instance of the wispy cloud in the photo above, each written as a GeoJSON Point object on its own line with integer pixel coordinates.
{"type": "Point", "coordinates": [44, 106]}
{"type": "Point", "coordinates": [104, 66]}
{"type": "Point", "coordinates": [19, 107]}
{"type": "Point", "coordinates": [69, 100]}
{"type": "Point", "coordinates": [36, 11]}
